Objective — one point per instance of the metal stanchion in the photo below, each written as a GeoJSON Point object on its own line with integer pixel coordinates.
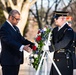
{"type": "Point", "coordinates": [43, 58]}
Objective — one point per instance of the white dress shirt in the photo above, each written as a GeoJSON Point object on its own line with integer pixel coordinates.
{"type": "Point", "coordinates": [61, 26]}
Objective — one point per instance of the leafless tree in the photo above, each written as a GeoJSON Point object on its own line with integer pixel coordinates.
{"type": "Point", "coordinates": [49, 12]}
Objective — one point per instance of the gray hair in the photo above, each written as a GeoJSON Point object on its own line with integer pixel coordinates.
{"type": "Point", "coordinates": [13, 12]}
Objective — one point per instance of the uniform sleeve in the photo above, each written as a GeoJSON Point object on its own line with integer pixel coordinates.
{"type": "Point", "coordinates": [66, 40]}
{"type": "Point", "coordinates": [75, 38]}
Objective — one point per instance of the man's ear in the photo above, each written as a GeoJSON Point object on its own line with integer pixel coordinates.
{"type": "Point", "coordinates": [12, 18]}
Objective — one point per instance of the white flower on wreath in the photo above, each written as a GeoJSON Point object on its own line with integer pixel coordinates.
{"type": "Point", "coordinates": [32, 60]}
{"type": "Point", "coordinates": [35, 55]}
{"type": "Point", "coordinates": [44, 29]}
{"type": "Point", "coordinates": [32, 55]}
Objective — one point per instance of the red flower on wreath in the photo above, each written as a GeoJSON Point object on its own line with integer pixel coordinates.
{"type": "Point", "coordinates": [38, 32]}
{"type": "Point", "coordinates": [34, 48]}
{"type": "Point", "coordinates": [38, 38]}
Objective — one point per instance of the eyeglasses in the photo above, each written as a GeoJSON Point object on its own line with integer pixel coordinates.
{"type": "Point", "coordinates": [17, 19]}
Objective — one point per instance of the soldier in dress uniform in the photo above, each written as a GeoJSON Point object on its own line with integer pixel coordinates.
{"type": "Point", "coordinates": [63, 44]}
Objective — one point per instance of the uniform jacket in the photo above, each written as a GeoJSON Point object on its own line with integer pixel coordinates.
{"type": "Point", "coordinates": [63, 39]}
{"type": "Point", "coordinates": [11, 42]}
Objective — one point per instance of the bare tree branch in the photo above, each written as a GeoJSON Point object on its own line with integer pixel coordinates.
{"type": "Point", "coordinates": [12, 5]}
{"type": "Point", "coordinates": [33, 1]}
{"type": "Point", "coordinates": [57, 3]}
{"type": "Point", "coordinates": [5, 13]}
{"type": "Point", "coordinates": [41, 16]}
{"type": "Point", "coordinates": [70, 2]}
{"type": "Point", "coordinates": [33, 13]}
{"type": "Point", "coordinates": [4, 8]}
{"type": "Point", "coordinates": [19, 3]}
{"type": "Point", "coordinates": [48, 13]}
{"type": "Point", "coordinates": [39, 23]}
{"type": "Point", "coordinates": [63, 2]}
{"type": "Point", "coordinates": [3, 2]}
{"type": "Point", "coordinates": [48, 4]}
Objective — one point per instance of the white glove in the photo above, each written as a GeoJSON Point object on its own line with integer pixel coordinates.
{"type": "Point", "coordinates": [74, 71]}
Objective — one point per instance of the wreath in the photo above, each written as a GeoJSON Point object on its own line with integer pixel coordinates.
{"type": "Point", "coordinates": [40, 39]}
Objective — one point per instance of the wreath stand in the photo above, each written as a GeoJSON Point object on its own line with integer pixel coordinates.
{"type": "Point", "coordinates": [44, 57]}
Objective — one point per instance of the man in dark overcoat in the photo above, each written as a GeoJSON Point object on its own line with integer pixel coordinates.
{"type": "Point", "coordinates": [13, 44]}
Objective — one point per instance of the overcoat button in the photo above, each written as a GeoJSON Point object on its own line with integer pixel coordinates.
{"type": "Point", "coordinates": [57, 51]}
{"type": "Point", "coordinates": [73, 41]}
{"type": "Point", "coordinates": [73, 51]}
{"type": "Point", "coordinates": [73, 46]}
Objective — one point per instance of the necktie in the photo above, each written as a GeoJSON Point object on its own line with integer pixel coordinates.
{"type": "Point", "coordinates": [16, 28]}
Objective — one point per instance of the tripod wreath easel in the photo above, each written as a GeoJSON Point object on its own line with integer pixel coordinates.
{"type": "Point", "coordinates": [44, 57]}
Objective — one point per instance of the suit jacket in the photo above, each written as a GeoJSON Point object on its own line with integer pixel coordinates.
{"type": "Point", "coordinates": [11, 42]}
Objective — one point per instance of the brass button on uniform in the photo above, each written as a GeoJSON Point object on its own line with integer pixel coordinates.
{"type": "Point", "coordinates": [73, 46]}
{"type": "Point", "coordinates": [54, 59]}
{"type": "Point", "coordinates": [73, 51]}
{"type": "Point", "coordinates": [58, 60]}
{"type": "Point", "coordinates": [57, 51]}
{"type": "Point", "coordinates": [73, 41]}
